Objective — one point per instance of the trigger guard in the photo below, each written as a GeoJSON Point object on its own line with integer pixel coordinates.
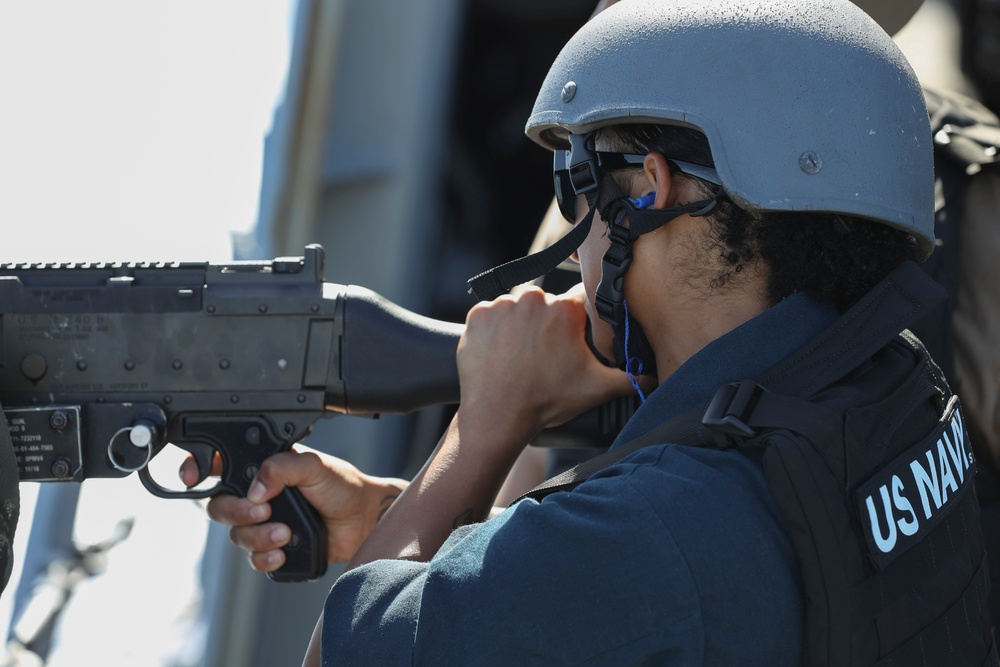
{"type": "Point", "coordinates": [160, 491]}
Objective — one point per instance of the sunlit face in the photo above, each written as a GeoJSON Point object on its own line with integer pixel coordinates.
{"type": "Point", "coordinates": [589, 255]}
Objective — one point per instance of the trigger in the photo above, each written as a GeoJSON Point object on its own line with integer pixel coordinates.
{"type": "Point", "coordinates": [203, 455]}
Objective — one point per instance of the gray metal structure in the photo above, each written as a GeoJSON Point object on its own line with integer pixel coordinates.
{"type": "Point", "coordinates": [351, 163]}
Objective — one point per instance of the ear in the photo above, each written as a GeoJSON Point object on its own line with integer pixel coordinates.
{"type": "Point", "coordinates": [659, 179]}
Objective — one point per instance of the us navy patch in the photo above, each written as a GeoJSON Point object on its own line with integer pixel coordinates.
{"type": "Point", "coordinates": [907, 498]}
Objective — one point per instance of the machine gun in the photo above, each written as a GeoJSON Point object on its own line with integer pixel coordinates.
{"type": "Point", "coordinates": [105, 364]}
{"type": "Point", "coordinates": [102, 365]}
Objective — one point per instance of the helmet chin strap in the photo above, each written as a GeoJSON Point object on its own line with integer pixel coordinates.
{"type": "Point", "coordinates": [633, 353]}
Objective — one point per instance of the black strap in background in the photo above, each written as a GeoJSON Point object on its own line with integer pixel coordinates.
{"type": "Point", "coordinates": [776, 397]}
{"type": "Point", "coordinates": [965, 131]}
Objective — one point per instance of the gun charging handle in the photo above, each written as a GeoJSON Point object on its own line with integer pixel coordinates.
{"type": "Point", "coordinates": [143, 435]}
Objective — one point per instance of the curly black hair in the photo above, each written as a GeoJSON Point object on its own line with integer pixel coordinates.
{"type": "Point", "coordinates": [831, 256]}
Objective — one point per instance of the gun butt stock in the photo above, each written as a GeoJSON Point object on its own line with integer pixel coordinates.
{"type": "Point", "coordinates": [393, 360]}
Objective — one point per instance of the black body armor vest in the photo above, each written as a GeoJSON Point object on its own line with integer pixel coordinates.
{"type": "Point", "coordinates": [868, 458]}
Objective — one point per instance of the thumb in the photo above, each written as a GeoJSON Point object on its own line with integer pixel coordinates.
{"type": "Point", "coordinates": [283, 470]}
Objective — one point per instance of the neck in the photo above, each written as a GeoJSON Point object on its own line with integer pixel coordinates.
{"type": "Point", "coordinates": [693, 323]}
{"type": "Point", "coordinates": [671, 294]}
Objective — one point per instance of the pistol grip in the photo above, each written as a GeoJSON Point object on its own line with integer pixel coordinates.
{"type": "Point", "coordinates": [305, 554]}
{"type": "Point", "coordinates": [244, 442]}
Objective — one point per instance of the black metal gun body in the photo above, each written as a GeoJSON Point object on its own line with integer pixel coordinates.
{"type": "Point", "coordinates": [103, 365]}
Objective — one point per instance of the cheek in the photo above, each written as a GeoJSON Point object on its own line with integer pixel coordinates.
{"type": "Point", "coordinates": [591, 251]}
{"type": "Point", "coordinates": [590, 255]}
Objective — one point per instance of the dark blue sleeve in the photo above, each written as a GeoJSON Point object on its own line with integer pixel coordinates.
{"type": "Point", "coordinates": [584, 578]}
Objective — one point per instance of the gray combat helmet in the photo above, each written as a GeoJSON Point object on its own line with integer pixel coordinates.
{"type": "Point", "coordinates": [807, 105]}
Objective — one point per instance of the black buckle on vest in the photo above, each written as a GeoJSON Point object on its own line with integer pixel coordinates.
{"type": "Point", "coordinates": [731, 407]}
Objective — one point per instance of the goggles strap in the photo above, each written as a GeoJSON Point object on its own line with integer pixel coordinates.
{"type": "Point", "coordinates": [490, 284]}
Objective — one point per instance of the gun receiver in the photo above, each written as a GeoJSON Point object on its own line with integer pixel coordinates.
{"type": "Point", "coordinates": [102, 365]}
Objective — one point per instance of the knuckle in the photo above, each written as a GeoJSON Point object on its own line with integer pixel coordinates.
{"type": "Point", "coordinates": [309, 458]}
{"type": "Point", "coordinates": [531, 294]}
{"type": "Point", "coordinates": [256, 562]}
{"type": "Point", "coordinates": [267, 469]}
{"type": "Point", "coordinates": [218, 509]}
{"type": "Point", "coordinates": [267, 561]}
{"type": "Point", "coordinates": [479, 312]}
{"type": "Point", "coordinates": [247, 538]}
{"type": "Point", "coordinates": [236, 537]}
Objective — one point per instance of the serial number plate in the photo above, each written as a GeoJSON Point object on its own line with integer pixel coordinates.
{"type": "Point", "coordinates": [46, 443]}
